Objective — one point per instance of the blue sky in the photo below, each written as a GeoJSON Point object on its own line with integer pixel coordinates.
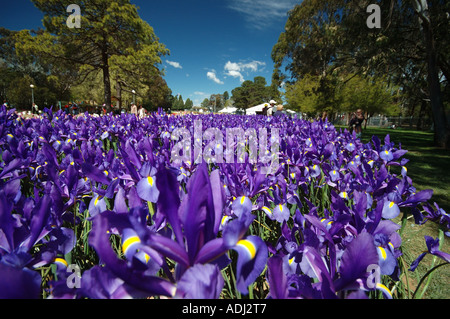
{"type": "Point", "coordinates": [214, 44]}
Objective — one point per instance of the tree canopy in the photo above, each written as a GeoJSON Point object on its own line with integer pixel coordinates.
{"type": "Point", "coordinates": [332, 39]}
{"type": "Point", "coordinates": [112, 39]}
{"type": "Point", "coordinates": [255, 92]}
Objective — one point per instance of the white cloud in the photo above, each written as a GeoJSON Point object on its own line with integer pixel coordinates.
{"type": "Point", "coordinates": [212, 76]}
{"type": "Point", "coordinates": [235, 70]}
{"type": "Point", "coordinates": [262, 13]}
{"type": "Point", "coordinates": [176, 65]}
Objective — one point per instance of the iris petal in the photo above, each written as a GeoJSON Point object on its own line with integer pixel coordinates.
{"type": "Point", "coordinates": [147, 190]}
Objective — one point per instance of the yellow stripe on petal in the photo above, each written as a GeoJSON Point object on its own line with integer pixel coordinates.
{"type": "Point", "coordinates": [96, 200]}
{"type": "Point", "coordinates": [224, 219]}
{"type": "Point", "coordinates": [383, 253]}
{"type": "Point", "coordinates": [248, 245]}
{"type": "Point", "coordinates": [150, 180]}
{"type": "Point", "coordinates": [242, 200]}
{"type": "Point", "coordinates": [391, 204]}
{"type": "Point", "coordinates": [61, 261]}
{"type": "Point", "coordinates": [383, 288]}
{"type": "Point", "coordinates": [267, 210]}
{"type": "Point", "coordinates": [130, 241]}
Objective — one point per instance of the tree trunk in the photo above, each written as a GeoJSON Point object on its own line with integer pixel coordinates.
{"type": "Point", "coordinates": [441, 130]}
{"type": "Point", "coordinates": [106, 80]}
{"type": "Point", "coordinates": [422, 113]}
{"type": "Point", "coordinates": [119, 94]}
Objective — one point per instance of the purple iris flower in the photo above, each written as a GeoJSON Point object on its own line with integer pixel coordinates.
{"type": "Point", "coordinates": [251, 261]}
{"type": "Point", "coordinates": [97, 205]}
{"type": "Point", "coordinates": [335, 175]}
{"type": "Point", "coordinates": [390, 210]}
{"type": "Point", "coordinates": [281, 213]}
{"type": "Point", "coordinates": [16, 280]}
{"type": "Point", "coordinates": [315, 171]}
{"type": "Point", "coordinates": [386, 155]}
{"type": "Point", "coordinates": [147, 189]}
{"type": "Point", "coordinates": [358, 256]}
{"type": "Point", "coordinates": [242, 205]}
{"type": "Point", "coordinates": [277, 281]}
{"type": "Point", "coordinates": [433, 249]}
{"type": "Point", "coordinates": [350, 146]}
{"type": "Point", "coordinates": [200, 282]}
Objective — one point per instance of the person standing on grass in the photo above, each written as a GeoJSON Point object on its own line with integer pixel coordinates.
{"type": "Point", "coordinates": [356, 123]}
{"type": "Point", "coordinates": [134, 109]}
{"type": "Point", "coordinates": [35, 109]}
{"type": "Point", "coordinates": [351, 124]}
{"type": "Point", "coordinates": [141, 112]}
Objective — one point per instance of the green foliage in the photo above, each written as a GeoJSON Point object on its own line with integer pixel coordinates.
{"type": "Point", "coordinates": [205, 103]}
{"type": "Point", "coordinates": [178, 103]}
{"type": "Point", "coordinates": [302, 96]}
{"type": "Point", "coordinates": [332, 38]}
{"type": "Point", "coordinates": [189, 104]}
{"type": "Point", "coordinates": [370, 94]}
{"type": "Point", "coordinates": [315, 94]}
{"type": "Point", "coordinates": [19, 69]}
{"type": "Point", "coordinates": [112, 39]}
{"type": "Point", "coordinates": [252, 93]}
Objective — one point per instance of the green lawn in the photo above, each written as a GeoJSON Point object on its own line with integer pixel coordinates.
{"type": "Point", "coordinates": [429, 168]}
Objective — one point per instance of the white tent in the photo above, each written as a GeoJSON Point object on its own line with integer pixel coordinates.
{"type": "Point", "coordinates": [228, 109]}
{"type": "Point", "coordinates": [256, 109]}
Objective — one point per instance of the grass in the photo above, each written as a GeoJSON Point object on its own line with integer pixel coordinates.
{"type": "Point", "coordinates": [429, 168]}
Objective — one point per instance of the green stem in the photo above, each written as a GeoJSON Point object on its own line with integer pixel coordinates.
{"type": "Point", "coordinates": [230, 289]}
{"type": "Point", "coordinates": [151, 209]}
{"type": "Point", "coordinates": [250, 292]}
{"type": "Point", "coordinates": [424, 277]}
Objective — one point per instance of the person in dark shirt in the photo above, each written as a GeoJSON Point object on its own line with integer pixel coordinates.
{"type": "Point", "coordinates": [264, 110]}
{"type": "Point", "coordinates": [356, 123]}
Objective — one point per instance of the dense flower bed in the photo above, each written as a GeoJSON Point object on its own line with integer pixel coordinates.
{"type": "Point", "coordinates": [94, 207]}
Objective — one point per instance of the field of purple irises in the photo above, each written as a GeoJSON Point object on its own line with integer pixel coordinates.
{"type": "Point", "coordinates": [95, 207]}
